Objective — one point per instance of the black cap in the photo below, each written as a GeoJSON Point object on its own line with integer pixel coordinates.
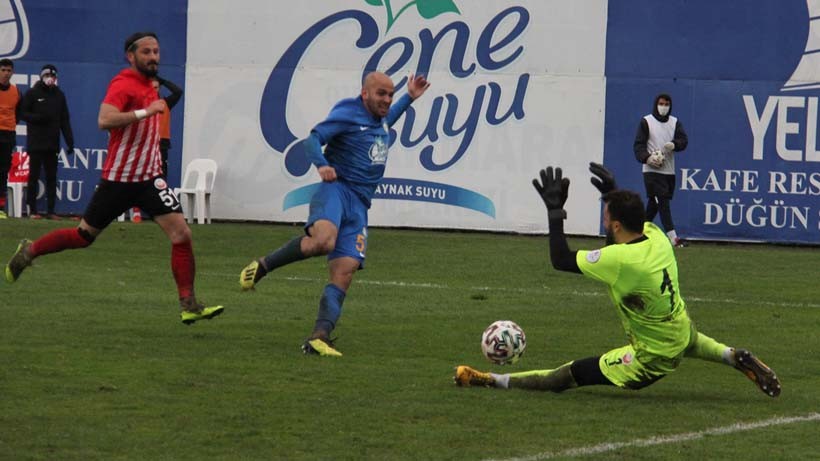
{"type": "Point", "coordinates": [48, 69]}
{"type": "Point", "coordinates": [136, 36]}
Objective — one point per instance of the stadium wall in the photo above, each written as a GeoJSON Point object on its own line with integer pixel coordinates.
{"type": "Point", "coordinates": [515, 86]}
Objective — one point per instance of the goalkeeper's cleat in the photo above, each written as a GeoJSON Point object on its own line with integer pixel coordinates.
{"type": "Point", "coordinates": [21, 260]}
{"type": "Point", "coordinates": [758, 372]}
{"type": "Point", "coordinates": [3, 215]}
{"type": "Point", "coordinates": [466, 377]}
{"type": "Point", "coordinates": [192, 310]}
{"type": "Point", "coordinates": [251, 274]}
{"type": "Point", "coordinates": [320, 346]}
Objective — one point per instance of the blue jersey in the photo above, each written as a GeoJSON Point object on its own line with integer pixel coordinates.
{"type": "Point", "coordinates": [357, 143]}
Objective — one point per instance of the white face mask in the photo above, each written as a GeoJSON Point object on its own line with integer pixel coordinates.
{"type": "Point", "coordinates": [663, 110]}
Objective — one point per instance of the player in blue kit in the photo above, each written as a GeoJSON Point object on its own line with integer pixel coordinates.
{"type": "Point", "coordinates": [356, 135]}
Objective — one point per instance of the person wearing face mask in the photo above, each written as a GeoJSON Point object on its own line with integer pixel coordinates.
{"type": "Point", "coordinates": [659, 136]}
{"type": "Point", "coordinates": [45, 110]}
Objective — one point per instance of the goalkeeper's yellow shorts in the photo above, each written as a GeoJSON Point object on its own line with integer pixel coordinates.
{"type": "Point", "coordinates": [625, 369]}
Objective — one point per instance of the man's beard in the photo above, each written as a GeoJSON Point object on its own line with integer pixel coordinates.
{"type": "Point", "coordinates": [147, 71]}
{"type": "Point", "coordinates": [610, 237]}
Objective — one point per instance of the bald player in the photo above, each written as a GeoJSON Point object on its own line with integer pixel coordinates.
{"type": "Point", "coordinates": [356, 135]}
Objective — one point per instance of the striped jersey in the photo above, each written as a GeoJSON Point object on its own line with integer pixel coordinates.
{"type": "Point", "coordinates": [133, 150]}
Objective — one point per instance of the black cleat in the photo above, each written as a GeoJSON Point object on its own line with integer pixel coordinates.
{"type": "Point", "coordinates": [758, 372]}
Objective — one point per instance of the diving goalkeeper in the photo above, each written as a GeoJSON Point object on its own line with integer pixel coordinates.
{"type": "Point", "coordinates": [638, 265]}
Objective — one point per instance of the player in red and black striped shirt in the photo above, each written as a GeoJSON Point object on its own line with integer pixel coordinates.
{"type": "Point", "coordinates": [132, 176]}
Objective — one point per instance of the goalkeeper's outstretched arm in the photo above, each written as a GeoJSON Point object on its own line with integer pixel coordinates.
{"type": "Point", "coordinates": [554, 189]}
{"type": "Point", "coordinates": [561, 256]}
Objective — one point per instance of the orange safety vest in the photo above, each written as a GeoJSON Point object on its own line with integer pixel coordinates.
{"type": "Point", "coordinates": [165, 125]}
{"type": "Point", "coordinates": [8, 105]}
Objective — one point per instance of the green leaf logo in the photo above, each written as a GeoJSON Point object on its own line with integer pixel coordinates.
{"type": "Point", "coordinates": [428, 9]}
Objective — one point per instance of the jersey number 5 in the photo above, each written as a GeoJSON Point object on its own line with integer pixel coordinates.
{"type": "Point", "coordinates": [169, 199]}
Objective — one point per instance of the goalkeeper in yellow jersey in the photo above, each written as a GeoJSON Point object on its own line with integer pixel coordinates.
{"type": "Point", "coordinates": [639, 268]}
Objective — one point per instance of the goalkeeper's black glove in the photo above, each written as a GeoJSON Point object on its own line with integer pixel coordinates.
{"type": "Point", "coordinates": [554, 190]}
{"type": "Point", "coordinates": [603, 180]}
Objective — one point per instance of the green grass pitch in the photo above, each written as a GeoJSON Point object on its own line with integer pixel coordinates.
{"type": "Point", "coordinates": [95, 364]}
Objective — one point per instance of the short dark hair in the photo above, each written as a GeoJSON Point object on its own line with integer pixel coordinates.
{"type": "Point", "coordinates": [627, 208]}
{"type": "Point", "coordinates": [131, 41]}
{"type": "Point", "coordinates": [6, 62]}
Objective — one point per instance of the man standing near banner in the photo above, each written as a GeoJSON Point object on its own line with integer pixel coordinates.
{"type": "Point", "coordinates": [9, 104]}
{"type": "Point", "coordinates": [357, 136]}
{"type": "Point", "coordinates": [659, 136]}
{"type": "Point", "coordinates": [131, 176]}
{"type": "Point", "coordinates": [45, 110]}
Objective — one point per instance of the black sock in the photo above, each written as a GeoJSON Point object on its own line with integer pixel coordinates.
{"type": "Point", "coordinates": [286, 254]}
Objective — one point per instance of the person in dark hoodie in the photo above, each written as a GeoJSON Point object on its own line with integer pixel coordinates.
{"type": "Point", "coordinates": [45, 110]}
{"type": "Point", "coordinates": [659, 136]}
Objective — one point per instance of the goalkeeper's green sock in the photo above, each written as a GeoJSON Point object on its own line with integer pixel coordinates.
{"type": "Point", "coordinates": [706, 348]}
{"type": "Point", "coordinates": [524, 379]}
{"type": "Point", "coordinates": [556, 380]}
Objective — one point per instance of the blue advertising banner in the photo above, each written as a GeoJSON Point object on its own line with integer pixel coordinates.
{"type": "Point", "coordinates": [84, 39]}
{"type": "Point", "coordinates": [744, 82]}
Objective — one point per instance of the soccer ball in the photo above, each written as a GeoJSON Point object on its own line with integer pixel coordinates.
{"type": "Point", "coordinates": [503, 342]}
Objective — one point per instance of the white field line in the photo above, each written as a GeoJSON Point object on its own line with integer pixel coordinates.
{"type": "Point", "coordinates": [666, 439]}
{"type": "Point", "coordinates": [535, 290]}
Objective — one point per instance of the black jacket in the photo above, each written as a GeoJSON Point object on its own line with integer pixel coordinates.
{"type": "Point", "coordinates": [46, 113]}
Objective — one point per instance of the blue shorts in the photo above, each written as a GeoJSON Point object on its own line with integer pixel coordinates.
{"type": "Point", "coordinates": [337, 203]}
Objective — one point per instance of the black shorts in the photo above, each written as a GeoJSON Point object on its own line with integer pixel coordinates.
{"type": "Point", "coordinates": [112, 199]}
{"type": "Point", "coordinates": [659, 185]}
{"type": "Point", "coordinates": [7, 145]}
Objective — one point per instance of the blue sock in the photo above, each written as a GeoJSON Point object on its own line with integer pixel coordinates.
{"type": "Point", "coordinates": [286, 254]}
{"type": "Point", "coordinates": [330, 309]}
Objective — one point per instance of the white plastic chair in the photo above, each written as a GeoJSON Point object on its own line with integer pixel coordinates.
{"type": "Point", "coordinates": [15, 198]}
{"type": "Point", "coordinates": [197, 185]}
